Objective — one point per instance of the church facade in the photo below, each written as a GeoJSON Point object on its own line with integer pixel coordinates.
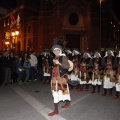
{"type": "Point", "coordinates": [38, 24]}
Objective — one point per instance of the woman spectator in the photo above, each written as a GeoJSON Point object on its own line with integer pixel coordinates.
{"type": "Point", "coordinates": [19, 70]}
{"type": "Point", "coordinates": [26, 66]}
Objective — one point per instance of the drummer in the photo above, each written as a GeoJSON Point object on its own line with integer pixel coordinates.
{"type": "Point", "coordinates": [73, 76]}
{"type": "Point", "coordinates": [97, 72]}
{"type": "Point", "coordinates": [68, 53]}
{"type": "Point", "coordinates": [117, 85]}
{"type": "Point", "coordinates": [85, 71]}
{"type": "Point", "coordinates": [109, 73]}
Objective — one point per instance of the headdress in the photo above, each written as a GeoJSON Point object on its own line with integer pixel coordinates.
{"type": "Point", "coordinates": [98, 52]}
{"type": "Point", "coordinates": [76, 51]}
{"type": "Point", "coordinates": [87, 52]}
{"type": "Point", "coordinates": [109, 49]}
{"type": "Point", "coordinates": [68, 50]}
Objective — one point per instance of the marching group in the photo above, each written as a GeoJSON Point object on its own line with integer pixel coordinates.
{"type": "Point", "coordinates": [99, 69]}
{"type": "Point", "coordinates": [78, 69]}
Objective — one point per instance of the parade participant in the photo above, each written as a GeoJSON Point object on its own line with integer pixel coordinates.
{"type": "Point", "coordinates": [85, 70]}
{"type": "Point", "coordinates": [109, 73]}
{"type": "Point", "coordinates": [117, 85]}
{"type": "Point", "coordinates": [59, 86]}
{"type": "Point", "coordinates": [97, 72]}
{"type": "Point", "coordinates": [69, 56]}
{"type": "Point", "coordinates": [47, 66]}
{"type": "Point", "coordinates": [68, 53]}
{"type": "Point", "coordinates": [73, 77]}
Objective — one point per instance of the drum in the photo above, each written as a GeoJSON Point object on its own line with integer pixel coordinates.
{"type": "Point", "coordinates": [73, 80]}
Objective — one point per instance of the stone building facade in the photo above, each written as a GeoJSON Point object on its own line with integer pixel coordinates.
{"type": "Point", "coordinates": [40, 22]}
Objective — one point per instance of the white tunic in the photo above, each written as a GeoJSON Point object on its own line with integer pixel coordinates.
{"type": "Point", "coordinates": [59, 96]}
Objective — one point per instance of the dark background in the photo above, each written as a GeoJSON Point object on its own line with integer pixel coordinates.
{"type": "Point", "coordinates": [116, 8]}
{"type": "Point", "coordinates": [10, 4]}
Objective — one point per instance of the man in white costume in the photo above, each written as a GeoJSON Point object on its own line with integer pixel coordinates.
{"type": "Point", "coordinates": [97, 72]}
{"type": "Point", "coordinates": [109, 73]}
{"type": "Point", "coordinates": [117, 85]}
{"type": "Point", "coordinates": [86, 64]}
{"type": "Point", "coordinates": [47, 66]}
{"type": "Point", "coordinates": [73, 77]}
{"type": "Point", "coordinates": [59, 85]}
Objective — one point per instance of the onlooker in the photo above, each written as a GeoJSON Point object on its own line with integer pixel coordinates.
{"type": "Point", "coordinates": [26, 66]}
{"type": "Point", "coordinates": [13, 71]}
{"type": "Point", "coordinates": [1, 68]}
{"type": "Point", "coordinates": [40, 65]}
{"type": "Point", "coordinates": [33, 68]}
{"type": "Point", "coordinates": [7, 66]}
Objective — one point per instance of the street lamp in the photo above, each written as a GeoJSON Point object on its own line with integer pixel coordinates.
{"type": "Point", "coordinates": [7, 44]}
{"type": "Point", "coordinates": [14, 35]}
{"type": "Point", "coordinates": [100, 21]}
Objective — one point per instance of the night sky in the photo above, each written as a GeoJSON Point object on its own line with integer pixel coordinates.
{"type": "Point", "coordinates": [7, 3]}
{"type": "Point", "coordinates": [11, 4]}
{"type": "Point", "coordinates": [116, 8]}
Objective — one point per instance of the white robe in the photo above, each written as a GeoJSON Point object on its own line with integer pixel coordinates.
{"type": "Point", "coordinates": [107, 84]}
{"type": "Point", "coordinates": [59, 96]}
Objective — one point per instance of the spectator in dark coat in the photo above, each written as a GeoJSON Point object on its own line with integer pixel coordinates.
{"type": "Point", "coordinates": [7, 66]}
{"type": "Point", "coordinates": [40, 65]}
{"type": "Point", "coordinates": [1, 68]}
{"type": "Point", "coordinates": [19, 70]}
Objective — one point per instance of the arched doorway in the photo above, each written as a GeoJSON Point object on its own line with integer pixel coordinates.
{"type": "Point", "coordinates": [73, 41]}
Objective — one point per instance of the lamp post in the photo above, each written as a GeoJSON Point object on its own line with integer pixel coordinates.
{"type": "Point", "coordinates": [100, 22]}
{"type": "Point", "coordinates": [14, 35]}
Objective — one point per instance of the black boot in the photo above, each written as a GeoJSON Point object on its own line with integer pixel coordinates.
{"type": "Point", "coordinates": [99, 86]}
{"type": "Point", "coordinates": [110, 92]}
{"type": "Point", "coordinates": [93, 91]}
{"type": "Point", "coordinates": [105, 92]}
{"type": "Point", "coordinates": [117, 95]}
{"type": "Point", "coordinates": [87, 86]}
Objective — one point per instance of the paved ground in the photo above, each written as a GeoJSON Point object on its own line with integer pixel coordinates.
{"type": "Point", "coordinates": [33, 101]}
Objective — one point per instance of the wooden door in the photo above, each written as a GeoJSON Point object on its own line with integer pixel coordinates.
{"type": "Point", "coordinates": [73, 41]}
